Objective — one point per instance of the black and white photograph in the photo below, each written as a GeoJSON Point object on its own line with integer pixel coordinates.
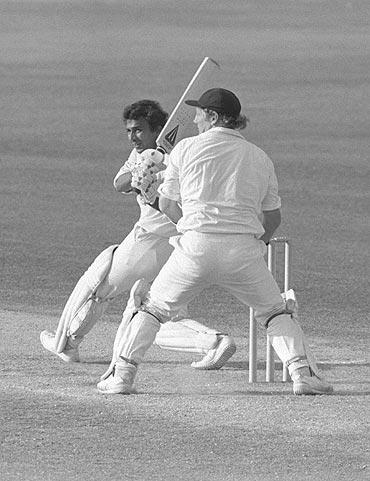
{"type": "Point", "coordinates": [184, 240]}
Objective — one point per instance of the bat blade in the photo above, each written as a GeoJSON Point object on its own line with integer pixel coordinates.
{"type": "Point", "coordinates": [180, 123]}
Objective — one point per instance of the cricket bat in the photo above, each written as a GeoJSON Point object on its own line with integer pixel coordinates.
{"type": "Point", "coordinates": [180, 123]}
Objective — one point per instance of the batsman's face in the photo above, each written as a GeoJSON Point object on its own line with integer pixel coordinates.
{"type": "Point", "coordinates": [141, 135]}
{"type": "Point", "coordinates": [201, 120]}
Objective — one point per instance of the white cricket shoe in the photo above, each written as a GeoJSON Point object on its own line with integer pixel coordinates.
{"type": "Point", "coordinates": [70, 354]}
{"type": "Point", "coordinates": [311, 385]}
{"type": "Point", "coordinates": [217, 357]}
{"type": "Point", "coordinates": [120, 381]}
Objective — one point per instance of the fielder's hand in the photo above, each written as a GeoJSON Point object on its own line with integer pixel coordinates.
{"type": "Point", "coordinates": [291, 304]}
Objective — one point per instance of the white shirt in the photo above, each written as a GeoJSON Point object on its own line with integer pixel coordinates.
{"type": "Point", "coordinates": [223, 182]}
{"type": "Point", "coordinates": [150, 219]}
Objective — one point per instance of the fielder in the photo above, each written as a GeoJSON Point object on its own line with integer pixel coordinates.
{"type": "Point", "coordinates": [224, 184]}
{"type": "Point", "coordinates": [141, 255]}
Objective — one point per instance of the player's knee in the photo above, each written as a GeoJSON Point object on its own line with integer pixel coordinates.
{"type": "Point", "coordinates": [287, 307]}
{"type": "Point", "coordinates": [266, 316]}
{"type": "Point", "coordinates": [99, 269]}
{"type": "Point", "coordinates": [275, 316]}
{"type": "Point", "coordinates": [152, 308]}
{"type": "Point", "coordinates": [142, 300]}
{"type": "Point", "coordinates": [105, 292]}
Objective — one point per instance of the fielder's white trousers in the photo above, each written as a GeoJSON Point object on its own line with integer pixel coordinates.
{"type": "Point", "coordinates": [234, 262]}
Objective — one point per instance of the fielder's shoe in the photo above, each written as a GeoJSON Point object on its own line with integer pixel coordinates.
{"type": "Point", "coordinates": [216, 358]}
{"type": "Point", "coordinates": [70, 353]}
{"type": "Point", "coordinates": [311, 385]}
{"type": "Point", "coordinates": [120, 381]}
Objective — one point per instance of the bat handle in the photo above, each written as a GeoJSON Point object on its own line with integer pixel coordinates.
{"type": "Point", "coordinates": [162, 150]}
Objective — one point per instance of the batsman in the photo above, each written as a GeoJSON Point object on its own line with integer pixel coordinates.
{"type": "Point", "coordinates": [140, 255]}
{"type": "Point", "coordinates": [222, 193]}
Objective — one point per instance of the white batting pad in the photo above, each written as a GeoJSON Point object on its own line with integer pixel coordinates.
{"type": "Point", "coordinates": [186, 335]}
{"type": "Point", "coordinates": [80, 301]}
{"type": "Point", "coordinates": [288, 341]}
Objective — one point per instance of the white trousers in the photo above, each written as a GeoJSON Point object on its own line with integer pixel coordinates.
{"type": "Point", "coordinates": [233, 262]}
{"type": "Point", "coordinates": [141, 255]}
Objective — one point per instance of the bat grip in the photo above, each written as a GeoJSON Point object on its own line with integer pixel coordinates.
{"type": "Point", "coordinates": [161, 149]}
{"type": "Point", "coordinates": [155, 204]}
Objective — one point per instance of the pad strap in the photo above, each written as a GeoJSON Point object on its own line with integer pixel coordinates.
{"type": "Point", "coordinates": [130, 361]}
{"type": "Point", "coordinates": [295, 359]}
{"type": "Point", "coordinates": [285, 311]}
{"type": "Point", "coordinates": [150, 311]}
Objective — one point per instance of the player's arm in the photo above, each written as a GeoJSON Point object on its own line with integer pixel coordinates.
{"type": "Point", "coordinates": [271, 206]}
{"type": "Point", "coordinates": [170, 208]}
{"type": "Point", "coordinates": [271, 221]}
{"type": "Point", "coordinates": [122, 183]}
{"type": "Point", "coordinates": [169, 190]}
{"type": "Point", "coordinates": [123, 179]}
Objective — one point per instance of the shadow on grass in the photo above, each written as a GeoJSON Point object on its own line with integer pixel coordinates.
{"type": "Point", "coordinates": [324, 366]}
{"type": "Point", "coordinates": [237, 365]}
{"type": "Point", "coordinates": [250, 392]}
{"type": "Point", "coordinates": [101, 362]}
{"type": "Point", "coordinates": [343, 393]}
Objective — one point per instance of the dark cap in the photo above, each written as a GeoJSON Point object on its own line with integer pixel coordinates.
{"type": "Point", "coordinates": [220, 100]}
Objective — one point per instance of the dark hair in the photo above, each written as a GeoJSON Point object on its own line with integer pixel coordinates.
{"type": "Point", "coordinates": [150, 110]}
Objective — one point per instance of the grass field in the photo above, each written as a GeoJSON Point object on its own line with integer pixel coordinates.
{"type": "Point", "coordinates": [301, 69]}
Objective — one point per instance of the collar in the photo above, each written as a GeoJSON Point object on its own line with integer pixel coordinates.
{"type": "Point", "coordinates": [224, 130]}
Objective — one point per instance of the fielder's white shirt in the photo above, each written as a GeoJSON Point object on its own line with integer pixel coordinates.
{"type": "Point", "coordinates": [223, 182]}
{"type": "Point", "coordinates": [150, 219]}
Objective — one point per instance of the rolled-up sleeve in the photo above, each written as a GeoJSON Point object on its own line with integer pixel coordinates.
{"type": "Point", "coordinates": [272, 200]}
{"type": "Point", "coordinates": [127, 166]}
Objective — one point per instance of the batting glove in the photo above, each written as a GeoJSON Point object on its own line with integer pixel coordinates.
{"type": "Point", "coordinates": [149, 162]}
